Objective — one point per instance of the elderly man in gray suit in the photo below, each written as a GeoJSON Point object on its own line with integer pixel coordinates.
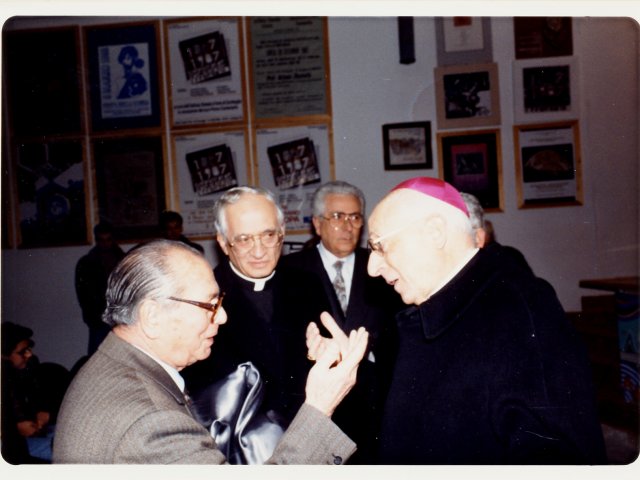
{"type": "Point", "coordinates": [127, 404]}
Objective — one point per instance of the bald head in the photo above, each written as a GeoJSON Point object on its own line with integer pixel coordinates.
{"type": "Point", "coordinates": [418, 241]}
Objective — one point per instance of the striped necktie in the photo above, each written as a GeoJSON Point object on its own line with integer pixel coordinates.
{"type": "Point", "coordinates": [338, 285]}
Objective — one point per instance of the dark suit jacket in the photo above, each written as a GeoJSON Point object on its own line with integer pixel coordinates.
{"type": "Point", "coordinates": [123, 407]}
{"type": "Point", "coordinates": [266, 328]}
{"type": "Point", "coordinates": [372, 304]}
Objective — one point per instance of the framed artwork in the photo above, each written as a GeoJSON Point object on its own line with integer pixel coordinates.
{"type": "Point", "coordinates": [407, 145]}
{"type": "Point", "coordinates": [123, 78]}
{"type": "Point", "coordinates": [548, 165]}
{"type": "Point", "coordinates": [130, 184]}
{"type": "Point", "coordinates": [471, 162]}
{"type": "Point", "coordinates": [207, 163]}
{"type": "Point", "coordinates": [467, 95]}
{"type": "Point", "coordinates": [43, 81]}
{"type": "Point", "coordinates": [205, 70]}
{"type": "Point", "coordinates": [536, 37]}
{"type": "Point", "coordinates": [50, 187]}
{"type": "Point", "coordinates": [292, 161]}
{"type": "Point", "coordinates": [463, 40]}
{"type": "Point", "coordinates": [546, 89]}
{"type": "Point", "coordinates": [289, 67]}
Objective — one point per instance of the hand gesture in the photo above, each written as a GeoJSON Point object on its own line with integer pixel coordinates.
{"type": "Point", "coordinates": [337, 360]}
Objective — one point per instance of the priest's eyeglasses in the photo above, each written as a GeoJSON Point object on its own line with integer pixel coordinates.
{"type": "Point", "coordinates": [268, 239]}
{"type": "Point", "coordinates": [211, 307]}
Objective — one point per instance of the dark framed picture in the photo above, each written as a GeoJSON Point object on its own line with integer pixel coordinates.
{"type": "Point", "coordinates": [467, 95]}
{"type": "Point", "coordinates": [130, 184]}
{"type": "Point", "coordinates": [471, 162]}
{"type": "Point", "coordinates": [546, 89]}
{"type": "Point", "coordinates": [294, 163]}
{"type": "Point", "coordinates": [50, 187]}
{"type": "Point", "coordinates": [407, 145]}
{"type": "Point", "coordinates": [536, 37]}
{"type": "Point", "coordinates": [123, 76]}
{"type": "Point", "coordinates": [211, 170]}
{"type": "Point", "coordinates": [548, 164]}
{"type": "Point", "coordinates": [43, 81]}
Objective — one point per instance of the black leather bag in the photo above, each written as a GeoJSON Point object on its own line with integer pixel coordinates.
{"type": "Point", "coordinates": [231, 409]}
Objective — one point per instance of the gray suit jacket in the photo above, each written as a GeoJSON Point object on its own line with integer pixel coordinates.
{"type": "Point", "coordinates": [122, 407]}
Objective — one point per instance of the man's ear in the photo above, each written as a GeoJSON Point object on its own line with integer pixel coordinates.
{"type": "Point", "coordinates": [436, 230]}
{"type": "Point", "coordinates": [150, 318]}
{"type": "Point", "coordinates": [481, 237]}
{"type": "Point", "coordinates": [316, 224]}
{"type": "Point", "coordinates": [223, 243]}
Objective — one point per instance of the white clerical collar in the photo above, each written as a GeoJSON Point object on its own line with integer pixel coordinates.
{"type": "Point", "coordinates": [466, 259]}
{"type": "Point", "coordinates": [173, 373]}
{"type": "Point", "coordinates": [258, 283]}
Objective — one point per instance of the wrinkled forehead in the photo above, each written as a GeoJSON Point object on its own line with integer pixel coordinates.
{"type": "Point", "coordinates": [395, 210]}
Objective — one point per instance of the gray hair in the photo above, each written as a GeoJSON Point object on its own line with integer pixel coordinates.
{"type": "Point", "coordinates": [146, 272]}
{"type": "Point", "coordinates": [232, 196]}
{"type": "Point", "coordinates": [336, 187]}
{"type": "Point", "coordinates": [476, 213]}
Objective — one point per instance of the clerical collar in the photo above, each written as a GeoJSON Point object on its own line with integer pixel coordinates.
{"type": "Point", "coordinates": [466, 259]}
{"type": "Point", "coordinates": [258, 283]}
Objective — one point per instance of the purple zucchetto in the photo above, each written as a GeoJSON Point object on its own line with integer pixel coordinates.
{"type": "Point", "coordinates": [435, 188]}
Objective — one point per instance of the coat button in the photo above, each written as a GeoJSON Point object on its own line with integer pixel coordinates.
{"type": "Point", "coordinates": [337, 460]}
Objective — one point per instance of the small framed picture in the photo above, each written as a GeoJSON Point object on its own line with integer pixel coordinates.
{"type": "Point", "coordinates": [545, 89]}
{"type": "Point", "coordinates": [467, 95]}
{"type": "Point", "coordinates": [548, 165]}
{"type": "Point", "coordinates": [537, 37]}
{"type": "Point", "coordinates": [471, 162]}
{"type": "Point", "coordinates": [407, 145]}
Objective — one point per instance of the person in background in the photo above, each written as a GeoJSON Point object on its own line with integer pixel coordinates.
{"type": "Point", "coordinates": [356, 300]}
{"type": "Point", "coordinates": [484, 234]}
{"type": "Point", "coordinates": [489, 370]}
{"type": "Point", "coordinates": [270, 307]}
{"type": "Point", "coordinates": [92, 272]}
{"type": "Point", "coordinates": [26, 436]}
{"type": "Point", "coordinates": [127, 404]}
{"type": "Point", "coordinates": [171, 229]}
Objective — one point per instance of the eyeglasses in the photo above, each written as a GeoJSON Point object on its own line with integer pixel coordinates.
{"type": "Point", "coordinates": [211, 307]}
{"type": "Point", "coordinates": [268, 239]}
{"type": "Point", "coordinates": [376, 245]}
{"type": "Point", "coordinates": [337, 219]}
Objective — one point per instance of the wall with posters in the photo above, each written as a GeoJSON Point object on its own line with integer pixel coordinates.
{"type": "Point", "coordinates": [596, 237]}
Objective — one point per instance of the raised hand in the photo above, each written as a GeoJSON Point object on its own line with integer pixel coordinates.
{"type": "Point", "coordinates": [337, 359]}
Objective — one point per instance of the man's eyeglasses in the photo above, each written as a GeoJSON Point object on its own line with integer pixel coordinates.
{"type": "Point", "coordinates": [376, 245]}
{"type": "Point", "coordinates": [268, 239]}
{"type": "Point", "coordinates": [211, 307]}
{"type": "Point", "coordinates": [337, 219]}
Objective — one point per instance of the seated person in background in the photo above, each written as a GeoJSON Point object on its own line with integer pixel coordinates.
{"type": "Point", "coordinates": [356, 300]}
{"type": "Point", "coordinates": [171, 229]}
{"type": "Point", "coordinates": [484, 234]}
{"type": "Point", "coordinates": [127, 403]}
{"type": "Point", "coordinates": [489, 370]}
{"type": "Point", "coordinates": [270, 308]}
{"type": "Point", "coordinates": [26, 436]}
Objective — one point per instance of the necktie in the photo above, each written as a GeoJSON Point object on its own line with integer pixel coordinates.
{"type": "Point", "coordinates": [338, 285]}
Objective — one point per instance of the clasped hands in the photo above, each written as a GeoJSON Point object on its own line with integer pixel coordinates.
{"type": "Point", "coordinates": [337, 359]}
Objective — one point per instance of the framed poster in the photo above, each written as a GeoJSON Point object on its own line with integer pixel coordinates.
{"type": "Point", "coordinates": [289, 62]}
{"type": "Point", "coordinates": [537, 37]}
{"type": "Point", "coordinates": [206, 164]}
{"type": "Point", "coordinates": [124, 84]}
{"type": "Point", "coordinates": [130, 184]}
{"type": "Point", "coordinates": [43, 81]}
{"type": "Point", "coordinates": [292, 161]}
{"type": "Point", "coordinates": [50, 186]}
{"type": "Point", "coordinates": [407, 145]}
{"type": "Point", "coordinates": [463, 40]}
{"type": "Point", "coordinates": [205, 70]}
{"type": "Point", "coordinates": [471, 162]}
{"type": "Point", "coordinates": [548, 165]}
{"type": "Point", "coordinates": [467, 95]}
{"type": "Point", "coordinates": [546, 89]}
